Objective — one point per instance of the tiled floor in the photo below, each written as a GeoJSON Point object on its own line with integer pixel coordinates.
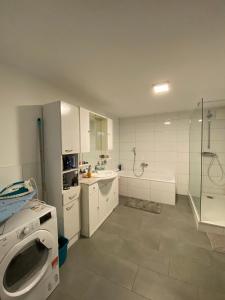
{"type": "Point", "coordinates": [137, 255]}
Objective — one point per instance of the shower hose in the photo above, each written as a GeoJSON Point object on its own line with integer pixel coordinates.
{"type": "Point", "coordinates": [142, 168]}
{"type": "Point", "coordinates": [213, 159]}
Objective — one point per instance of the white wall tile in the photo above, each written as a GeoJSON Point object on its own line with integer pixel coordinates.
{"type": "Point", "coordinates": [165, 148]}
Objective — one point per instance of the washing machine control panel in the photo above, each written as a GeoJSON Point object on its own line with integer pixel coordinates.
{"type": "Point", "coordinates": [28, 229]}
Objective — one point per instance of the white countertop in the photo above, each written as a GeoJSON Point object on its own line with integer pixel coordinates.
{"type": "Point", "coordinates": [92, 180]}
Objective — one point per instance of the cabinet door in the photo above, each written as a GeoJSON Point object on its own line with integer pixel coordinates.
{"type": "Point", "coordinates": [76, 140]}
{"type": "Point", "coordinates": [115, 192]}
{"type": "Point", "coordinates": [70, 128]}
{"type": "Point", "coordinates": [84, 130]}
{"type": "Point", "coordinates": [110, 133]}
{"type": "Point", "coordinates": [70, 195]}
{"type": "Point", "coordinates": [93, 209]}
{"type": "Point", "coordinates": [105, 199]}
{"type": "Point", "coordinates": [71, 213]}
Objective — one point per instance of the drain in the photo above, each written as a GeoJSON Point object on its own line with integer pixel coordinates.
{"type": "Point", "coordinates": [209, 197]}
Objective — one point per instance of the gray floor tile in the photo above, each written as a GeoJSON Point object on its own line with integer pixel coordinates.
{"type": "Point", "coordinates": [126, 218]}
{"type": "Point", "coordinates": [106, 290]}
{"type": "Point", "coordinates": [205, 294]}
{"type": "Point", "coordinates": [178, 248]}
{"type": "Point", "coordinates": [144, 256]}
{"type": "Point", "coordinates": [195, 237]}
{"type": "Point", "coordinates": [183, 204]}
{"type": "Point", "coordinates": [218, 260]}
{"type": "Point", "coordinates": [175, 261]}
{"type": "Point", "coordinates": [111, 267]}
{"type": "Point", "coordinates": [58, 294]}
{"type": "Point", "coordinates": [164, 226]}
{"type": "Point", "coordinates": [160, 287]}
{"type": "Point", "coordinates": [186, 270]}
{"type": "Point", "coordinates": [149, 238]}
{"type": "Point", "coordinates": [75, 279]}
{"type": "Point", "coordinates": [110, 227]}
{"type": "Point", "coordinates": [106, 242]}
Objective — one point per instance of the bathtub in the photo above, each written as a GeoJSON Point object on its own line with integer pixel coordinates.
{"type": "Point", "coordinates": [158, 188]}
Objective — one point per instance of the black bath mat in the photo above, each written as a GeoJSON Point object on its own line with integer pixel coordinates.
{"type": "Point", "coordinates": [145, 205]}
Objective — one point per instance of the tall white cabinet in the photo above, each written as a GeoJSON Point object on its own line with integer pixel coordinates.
{"type": "Point", "coordinates": [61, 149]}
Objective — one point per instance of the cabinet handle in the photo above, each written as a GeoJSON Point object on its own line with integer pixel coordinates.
{"type": "Point", "coordinates": [69, 208]}
{"type": "Point", "coordinates": [69, 150]}
{"type": "Point", "coordinates": [72, 197]}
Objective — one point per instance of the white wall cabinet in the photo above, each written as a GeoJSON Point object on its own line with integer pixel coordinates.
{"type": "Point", "coordinates": [98, 202]}
{"type": "Point", "coordinates": [70, 128]}
{"type": "Point", "coordinates": [85, 142]}
{"type": "Point", "coordinates": [110, 133]}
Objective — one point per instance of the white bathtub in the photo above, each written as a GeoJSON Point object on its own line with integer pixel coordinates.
{"type": "Point", "coordinates": [157, 188]}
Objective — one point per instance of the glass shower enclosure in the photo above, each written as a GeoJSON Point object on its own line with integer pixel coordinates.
{"type": "Point", "coordinates": [207, 162]}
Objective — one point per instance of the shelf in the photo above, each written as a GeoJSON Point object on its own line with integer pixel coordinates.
{"type": "Point", "coordinates": [70, 170]}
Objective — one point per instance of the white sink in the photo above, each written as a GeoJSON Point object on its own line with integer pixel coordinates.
{"type": "Point", "coordinates": [104, 174]}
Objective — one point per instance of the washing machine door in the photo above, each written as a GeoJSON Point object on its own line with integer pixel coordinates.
{"type": "Point", "coordinates": [26, 264]}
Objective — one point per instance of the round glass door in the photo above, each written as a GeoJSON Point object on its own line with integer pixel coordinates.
{"type": "Point", "coordinates": [25, 265]}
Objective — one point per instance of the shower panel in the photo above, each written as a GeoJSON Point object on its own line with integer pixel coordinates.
{"type": "Point", "coordinates": [207, 162]}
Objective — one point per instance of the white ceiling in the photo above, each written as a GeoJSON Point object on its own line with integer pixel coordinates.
{"type": "Point", "coordinates": [111, 52]}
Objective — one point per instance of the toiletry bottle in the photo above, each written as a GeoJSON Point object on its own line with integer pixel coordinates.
{"type": "Point", "coordinates": [89, 171]}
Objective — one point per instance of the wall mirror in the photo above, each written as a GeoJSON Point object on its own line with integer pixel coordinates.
{"type": "Point", "coordinates": [98, 138]}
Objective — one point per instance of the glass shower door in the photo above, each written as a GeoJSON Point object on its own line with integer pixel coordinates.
{"type": "Point", "coordinates": [213, 163]}
{"type": "Point", "coordinates": [195, 158]}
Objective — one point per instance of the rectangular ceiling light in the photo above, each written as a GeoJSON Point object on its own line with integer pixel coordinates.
{"type": "Point", "coordinates": [161, 88]}
{"type": "Point", "coordinates": [167, 123]}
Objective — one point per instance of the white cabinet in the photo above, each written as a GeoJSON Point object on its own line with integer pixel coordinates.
{"type": "Point", "coordinates": [93, 208]}
{"type": "Point", "coordinates": [71, 194]}
{"type": "Point", "coordinates": [104, 124]}
{"type": "Point", "coordinates": [110, 133]}
{"type": "Point", "coordinates": [98, 201]}
{"type": "Point", "coordinates": [71, 214]}
{"type": "Point", "coordinates": [106, 201]}
{"type": "Point", "coordinates": [61, 137]}
{"type": "Point", "coordinates": [116, 192]}
{"type": "Point", "coordinates": [84, 130]}
{"type": "Point", "coordinates": [70, 128]}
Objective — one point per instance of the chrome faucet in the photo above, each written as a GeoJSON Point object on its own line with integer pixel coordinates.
{"type": "Point", "coordinates": [100, 166]}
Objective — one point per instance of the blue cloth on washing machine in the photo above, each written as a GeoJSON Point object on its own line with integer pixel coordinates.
{"type": "Point", "coordinates": [9, 207]}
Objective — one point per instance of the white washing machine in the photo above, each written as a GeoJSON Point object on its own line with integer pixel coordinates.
{"type": "Point", "coordinates": [29, 254]}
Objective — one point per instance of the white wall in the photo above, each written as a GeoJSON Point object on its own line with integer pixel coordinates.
{"type": "Point", "coordinates": [164, 147]}
{"type": "Point", "coordinates": [21, 97]}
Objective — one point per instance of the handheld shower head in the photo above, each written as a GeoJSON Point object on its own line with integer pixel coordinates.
{"type": "Point", "coordinates": [134, 150]}
{"type": "Point", "coordinates": [209, 115]}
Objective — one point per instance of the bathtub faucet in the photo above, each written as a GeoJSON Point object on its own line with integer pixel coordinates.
{"type": "Point", "coordinates": [144, 165]}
